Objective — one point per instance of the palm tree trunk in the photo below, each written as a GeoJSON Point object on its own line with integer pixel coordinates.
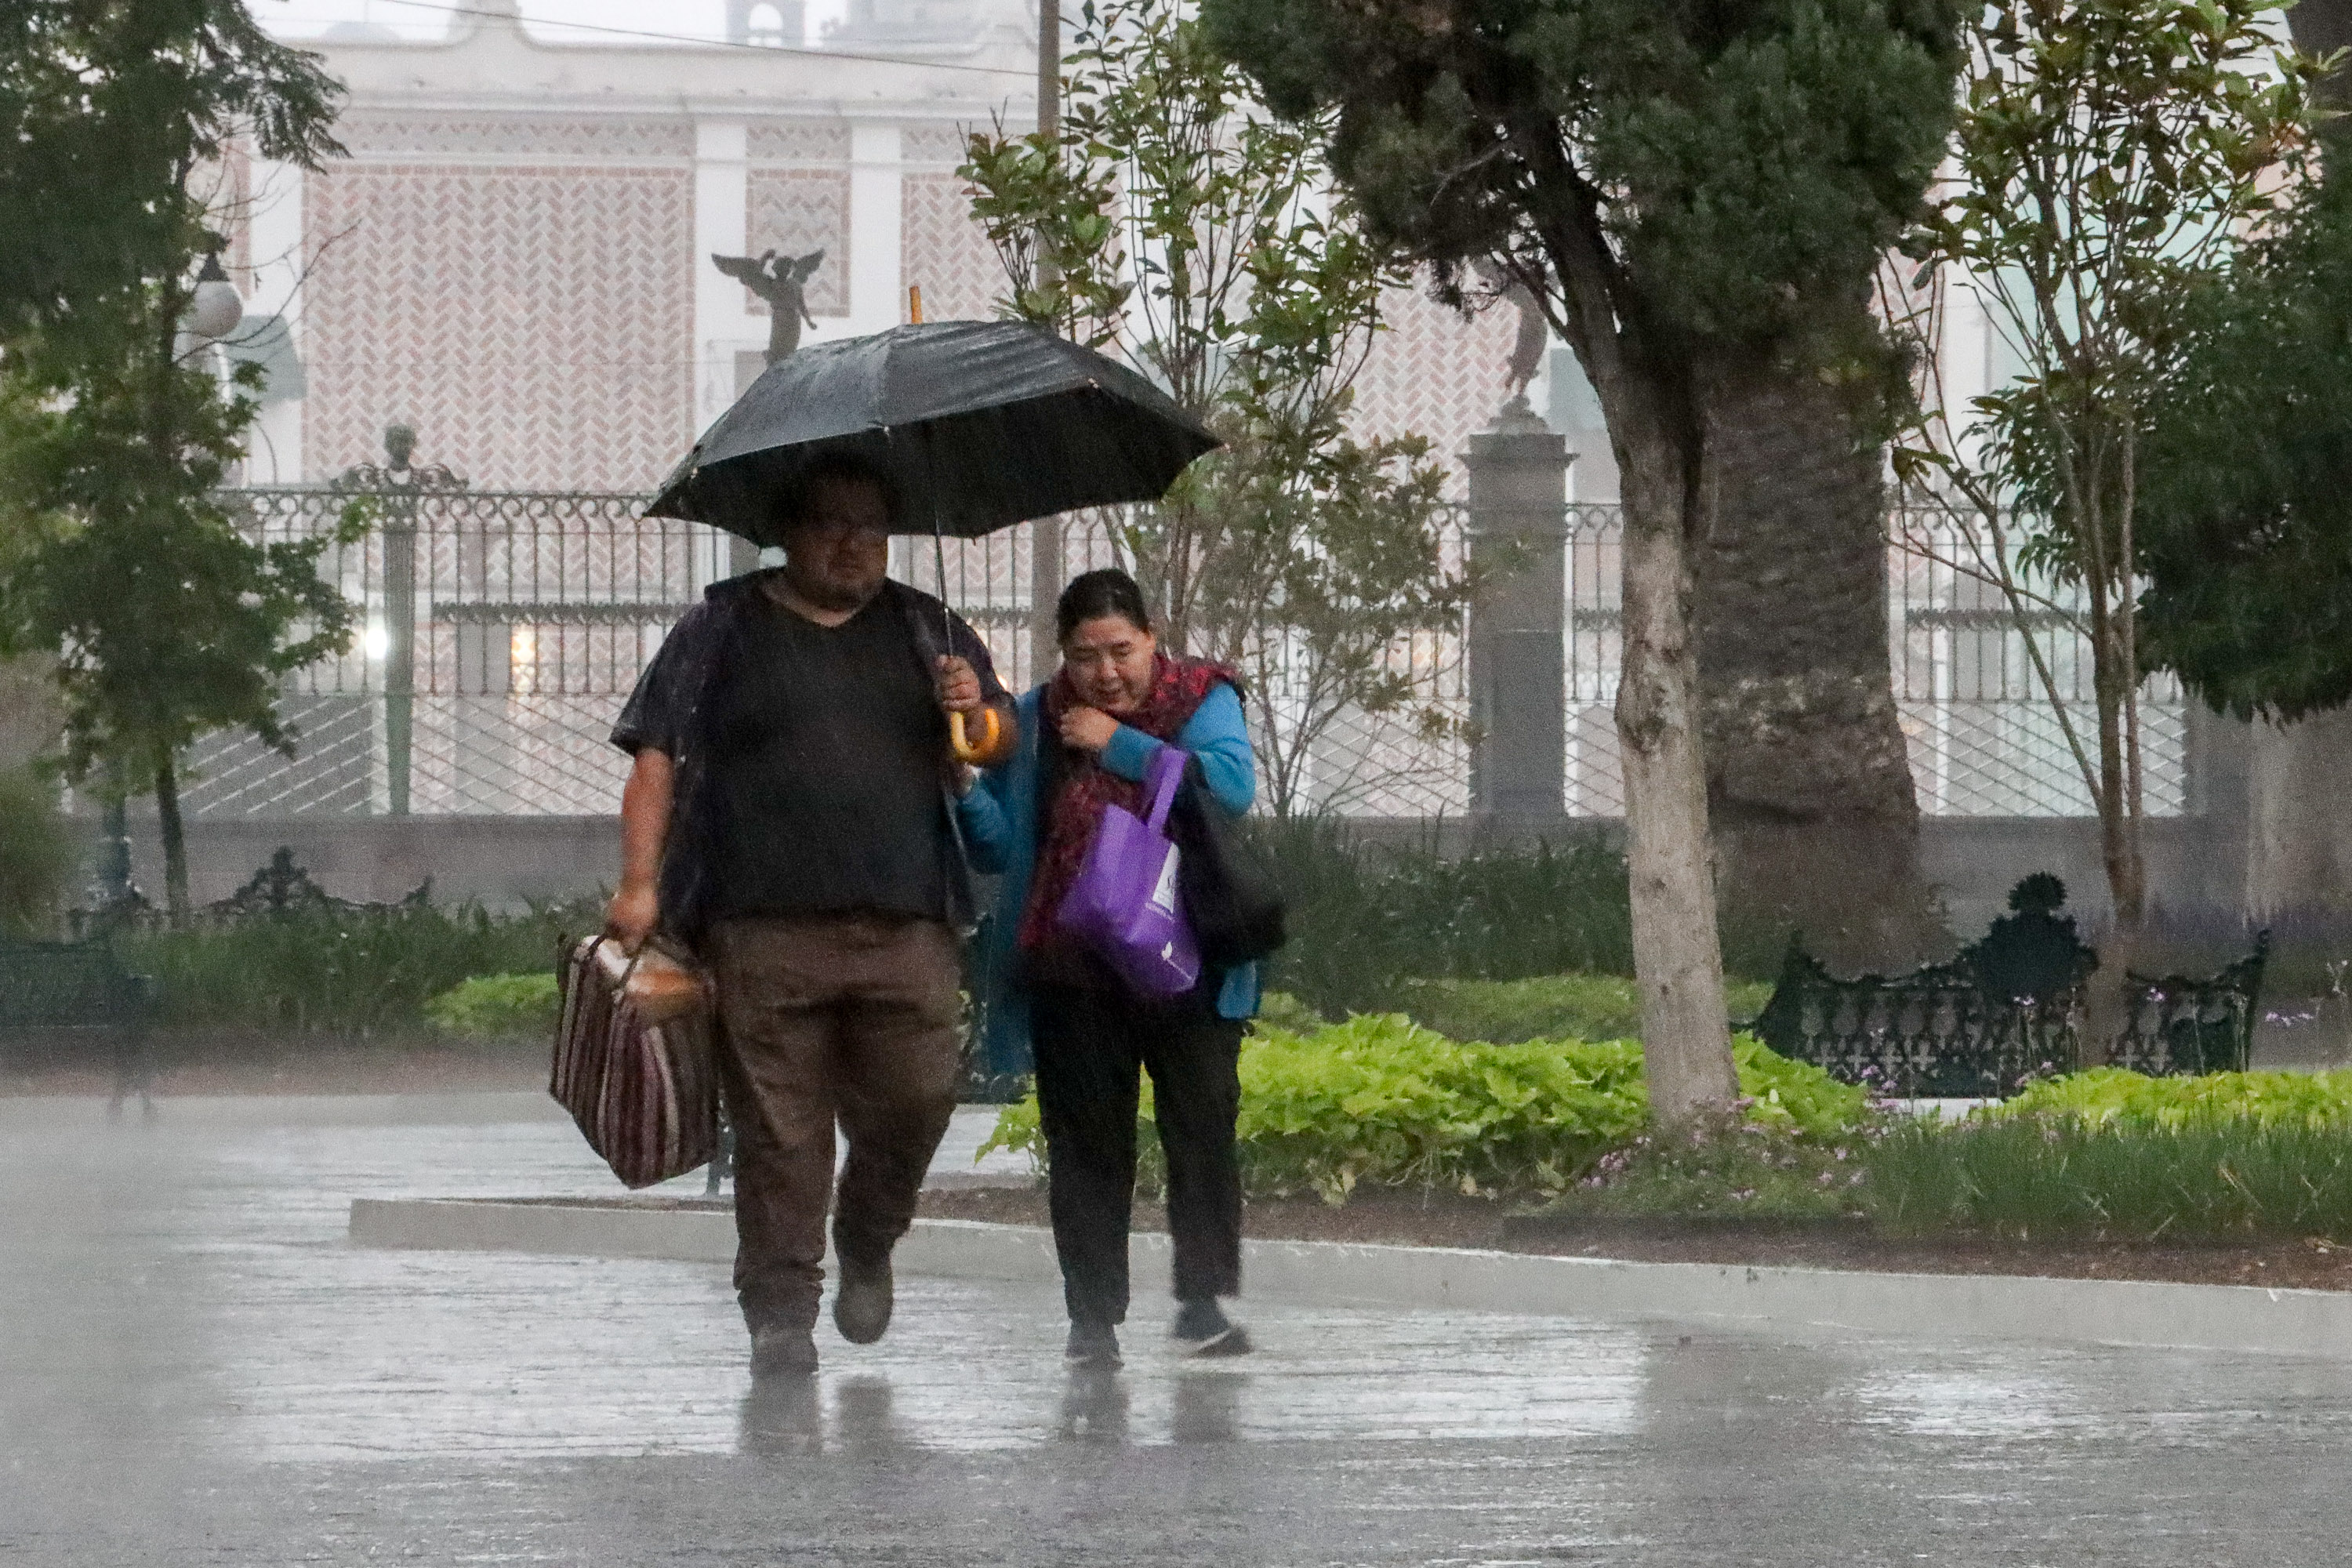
{"type": "Point", "coordinates": [1809, 787]}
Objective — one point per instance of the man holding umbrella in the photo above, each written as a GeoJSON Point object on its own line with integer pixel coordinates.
{"type": "Point", "coordinates": [790, 813]}
{"type": "Point", "coordinates": [784, 817]}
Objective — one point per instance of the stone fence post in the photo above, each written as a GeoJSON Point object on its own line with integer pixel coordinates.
{"type": "Point", "coordinates": [1518, 645]}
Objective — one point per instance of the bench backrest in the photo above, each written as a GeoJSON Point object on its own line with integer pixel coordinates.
{"type": "Point", "coordinates": [61, 985]}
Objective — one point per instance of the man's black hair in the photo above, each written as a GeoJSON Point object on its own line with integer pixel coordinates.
{"type": "Point", "coordinates": [1106, 591]}
{"type": "Point", "coordinates": [834, 467]}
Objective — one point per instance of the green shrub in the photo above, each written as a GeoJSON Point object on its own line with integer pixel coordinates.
{"type": "Point", "coordinates": [352, 973]}
{"type": "Point", "coordinates": [497, 1007]}
{"type": "Point", "coordinates": [38, 853]}
{"type": "Point", "coordinates": [1363, 917]}
{"type": "Point", "coordinates": [1281, 1010]}
{"type": "Point", "coordinates": [1381, 1101]}
{"type": "Point", "coordinates": [1549, 1008]}
{"type": "Point", "coordinates": [2214, 1178]}
{"type": "Point", "coordinates": [2111, 1094]}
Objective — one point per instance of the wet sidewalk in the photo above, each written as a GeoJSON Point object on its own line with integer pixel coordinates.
{"type": "Point", "coordinates": [195, 1367]}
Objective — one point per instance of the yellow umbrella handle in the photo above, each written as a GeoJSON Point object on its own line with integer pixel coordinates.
{"type": "Point", "coordinates": [964, 751]}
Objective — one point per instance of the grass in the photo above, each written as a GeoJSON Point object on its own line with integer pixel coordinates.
{"type": "Point", "coordinates": [1550, 1007]}
{"type": "Point", "coordinates": [2099, 1156]}
{"type": "Point", "coordinates": [2214, 1179]}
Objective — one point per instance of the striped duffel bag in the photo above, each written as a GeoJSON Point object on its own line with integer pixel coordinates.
{"type": "Point", "coordinates": [633, 1058]}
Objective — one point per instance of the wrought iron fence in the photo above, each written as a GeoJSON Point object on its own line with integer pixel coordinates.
{"type": "Point", "coordinates": [503, 631]}
{"type": "Point", "coordinates": [1983, 738]}
{"type": "Point", "coordinates": [505, 628]}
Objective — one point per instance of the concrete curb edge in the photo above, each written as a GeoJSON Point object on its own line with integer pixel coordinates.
{"type": "Point", "coordinates": [1930, 1306]}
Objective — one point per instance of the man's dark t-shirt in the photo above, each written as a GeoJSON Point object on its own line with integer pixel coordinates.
{"type": "Point", "coordinates": [826, 749]}
{"type": "Point", "coordinates": [873, 670]}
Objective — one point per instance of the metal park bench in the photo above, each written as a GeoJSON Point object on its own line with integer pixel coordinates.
{"type": "Point", "coordinates": [48, 987]}
{"type": "Point", "coordinates": [2006, 1008]}
{"type": "Point", "coordinates": [2182, 1025]}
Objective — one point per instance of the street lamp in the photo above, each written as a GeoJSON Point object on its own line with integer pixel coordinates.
{"type": "Point", "coordinates": [217, 306]}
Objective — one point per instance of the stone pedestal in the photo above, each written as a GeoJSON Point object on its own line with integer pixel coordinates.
{"type": "Point", "coordinates": [1519, 650]}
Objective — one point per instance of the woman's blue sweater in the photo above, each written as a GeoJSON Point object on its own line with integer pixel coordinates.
{"type": "Point", "coordinates": [999, 819]}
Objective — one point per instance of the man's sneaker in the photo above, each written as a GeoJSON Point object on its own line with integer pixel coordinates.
{"type": "Point", "coordinates": [1202, 1330]}
{"type": "Point", "coordinates": [780, 1350]}
{"type": "Point", "coordinates": [1092, 1344]}
{"type": "Point", "coordinates": [861, 1308]}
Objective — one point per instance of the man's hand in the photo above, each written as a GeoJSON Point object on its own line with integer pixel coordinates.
{"type": "Point", "coordinates": [959, 684]}
{"type": "Point", "coordinates": [631, 915]}
{"type": "Point", "coordinates": [1088, 729]}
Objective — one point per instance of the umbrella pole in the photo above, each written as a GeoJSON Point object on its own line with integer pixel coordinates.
{"type": "Point", "coordinates": [958, 743]}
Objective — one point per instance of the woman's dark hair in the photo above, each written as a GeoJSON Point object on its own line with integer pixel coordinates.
{"type": "Point", "coordinates": [1104, 591]}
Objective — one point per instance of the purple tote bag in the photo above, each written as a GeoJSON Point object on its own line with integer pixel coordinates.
{"type": "Point", "coordinates": [1123, 904]}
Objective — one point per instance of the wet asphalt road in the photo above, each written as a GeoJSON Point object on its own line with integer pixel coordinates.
{"type": "Point", "coordinates": [195, 1369]}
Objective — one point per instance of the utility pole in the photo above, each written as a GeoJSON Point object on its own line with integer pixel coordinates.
{"type": "Point", "coordinates": [1045, 556]}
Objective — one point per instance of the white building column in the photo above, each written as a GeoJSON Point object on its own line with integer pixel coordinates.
{"type": "Point", "coordinates": [274, 446]}
{"type": "Point", "coordinates": [723, 325]}
{"type": "Point", "coordinates": [877, 300]}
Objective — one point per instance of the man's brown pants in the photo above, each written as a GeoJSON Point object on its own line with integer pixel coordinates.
{"type": "Point", "coordinates": [847, 1017]}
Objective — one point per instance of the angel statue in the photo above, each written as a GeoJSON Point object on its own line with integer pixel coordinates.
{"type": "Point", "coordinates": [1534, 338]}
{"type": "Point", "coordinates": [782, 282]}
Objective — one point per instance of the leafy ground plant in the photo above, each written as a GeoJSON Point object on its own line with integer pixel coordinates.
{"type": "Point", "coordinates": [497, 1007]}
{"type": "Point", "coordinates": [1380, 1101]}
{"type": "Point", "coordinates": [2111, 1095]}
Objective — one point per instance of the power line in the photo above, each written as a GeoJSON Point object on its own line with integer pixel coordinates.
{"type": "Point", "coordinates": [721, 43]}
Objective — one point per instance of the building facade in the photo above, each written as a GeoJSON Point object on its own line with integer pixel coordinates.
{"type": "Point", "coordinates": [515, 257]}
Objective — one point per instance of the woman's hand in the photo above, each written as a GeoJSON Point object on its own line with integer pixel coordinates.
{"type": "Point", "coordinates": [1088, 729]}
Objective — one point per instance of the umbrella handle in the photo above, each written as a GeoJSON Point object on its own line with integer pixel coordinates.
{"type": "Point", "coordinates": [965, 752]}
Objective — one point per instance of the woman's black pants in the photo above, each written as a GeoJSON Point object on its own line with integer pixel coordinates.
{"type": "Point", "coordinates": [1088, 1047]}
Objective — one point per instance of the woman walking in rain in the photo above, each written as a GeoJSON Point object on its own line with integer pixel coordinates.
{"type": "Point", "coordinates": [1087, 737]}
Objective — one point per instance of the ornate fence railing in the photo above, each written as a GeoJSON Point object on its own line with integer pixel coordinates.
{"type": "Point", "coordinates": [505, 628]}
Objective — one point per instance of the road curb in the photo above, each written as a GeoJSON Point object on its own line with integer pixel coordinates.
{"type": "Point", "coordinates": [1930, 1306]}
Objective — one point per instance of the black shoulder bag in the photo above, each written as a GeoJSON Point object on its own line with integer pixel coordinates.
{"type": "Point", "coordinates": [1231, 897]}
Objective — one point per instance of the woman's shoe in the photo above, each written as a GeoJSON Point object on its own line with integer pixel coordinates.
{"type": "Point", "coordinates": [1202, 1330]}
{"type": "Point", "coordinates": [1092, 1344]}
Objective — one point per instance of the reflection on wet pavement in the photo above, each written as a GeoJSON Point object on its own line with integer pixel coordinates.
{"type": "Point", "coordinates": [193, 1356]}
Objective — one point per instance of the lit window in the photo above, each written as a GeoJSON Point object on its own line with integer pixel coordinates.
{"type": "Point", "coordinates": [522, 660]}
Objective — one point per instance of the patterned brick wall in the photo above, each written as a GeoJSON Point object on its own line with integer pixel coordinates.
{"type": "Point", "coordinates": [789, 141]}
{"type": "Point", "coordinates": [932, 144]}
{"type": "Point", "coordinates": [604, 138]}
{"type": "Point", "coordinates": [534, 323]}
{"type": "Point", "coordinates": [945, 253]}
{"type": "Point", "coordinates": [796, 211]}
{"type": "Point", "coordinates": [1435, 375]}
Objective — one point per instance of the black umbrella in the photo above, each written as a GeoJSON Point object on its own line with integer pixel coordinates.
{"type": "Point", "coordinates": [981, 424]}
